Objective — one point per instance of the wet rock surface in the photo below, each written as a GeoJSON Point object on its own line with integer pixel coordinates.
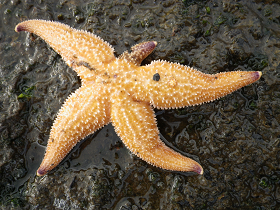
{"type": "Point", "coordinates": [236, 139]}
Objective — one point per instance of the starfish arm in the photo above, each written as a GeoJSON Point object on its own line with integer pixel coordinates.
{"type": "Point", "coordinates": [170, 85]}
{"type": "Point", "coordinates": [139, 52]}
{"type": "Point", "coordinates": [85, 111]}
{"type": "Point", "coordinates": [83, 51]}
{"type": "Point", "coordinates": [135, 123]}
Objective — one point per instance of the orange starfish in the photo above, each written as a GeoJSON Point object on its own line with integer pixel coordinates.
{"type": "Point", "coordinates": [120, 91]}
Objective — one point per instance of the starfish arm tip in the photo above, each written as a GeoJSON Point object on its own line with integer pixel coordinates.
{"type": "Point", "coordinates": [198, 169]}
{"type": "Point", "coordinates": [154, 43]}
{"type": "Point", "coordinates": [41, 172]}
{"type": "Point", "coordinates": [19, 28]}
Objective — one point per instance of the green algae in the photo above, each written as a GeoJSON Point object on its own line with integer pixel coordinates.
{"type": "Point", "coordinates": [27, 92]}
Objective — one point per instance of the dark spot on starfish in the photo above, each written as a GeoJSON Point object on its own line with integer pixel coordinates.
{"type": "Point", "coordinates": [115, 75]}
{"type": "Point", "coordinates": [85, 64]}
{"type": "Point", "coordinates": [52, 164]}
{"type": "Point", "coordinates": [241, 76]}
{"type": "Point", "coordinates": [52, 140]}
{"type": "Point", "coordinates": [156, 77]}
{"type": "Point", "coordinates": [216, 77]}
{"type": "Point", "coordinates": [62, 131]}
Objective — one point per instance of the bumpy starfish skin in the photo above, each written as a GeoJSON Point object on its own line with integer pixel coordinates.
{"type": "Point", "coordinates": [120, 91]}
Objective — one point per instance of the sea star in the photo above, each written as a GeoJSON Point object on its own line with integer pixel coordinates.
{"type": "Point", "coordinates": [120, 91]}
